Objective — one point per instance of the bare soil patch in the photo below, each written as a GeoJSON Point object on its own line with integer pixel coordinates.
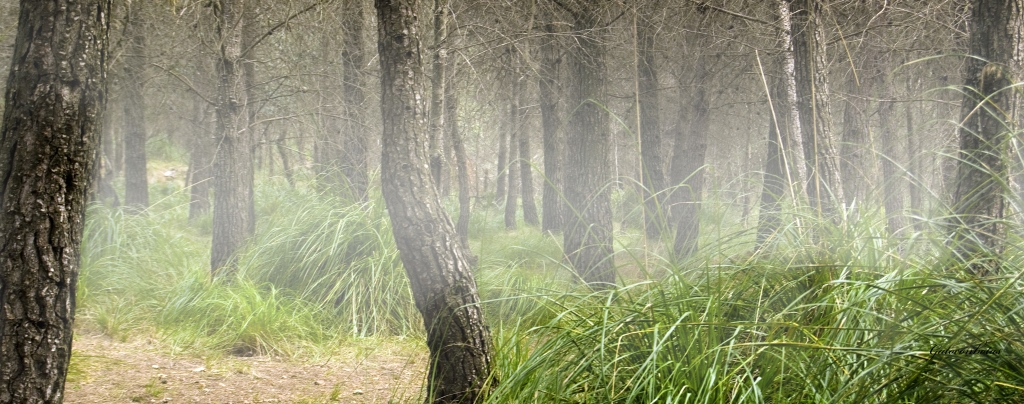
{"type": "Point", "coordinates": [106, 371]}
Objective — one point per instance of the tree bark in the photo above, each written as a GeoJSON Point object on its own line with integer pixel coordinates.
{"type": "Point", "coordinates": [652, 172]}
{"type": "Point", "coordinates": [687, 172]}
{"type": "Point", "coordinates": [824, 187]}
{"type": "Point", "coordinates": [978, 199]}
{"type": "Point", "coordinates": [54, 98]}
{"type": "Point", "coordinates": [136, 186]}
{"type": "Point", "coordinates": [547, 84]}
{"type": "Point", "coordinates": [437, 76]}
{"type": "Point", "coordinates": [775, 181]}
{"type": "Point", "coordinates": [512, 196]}
{"type": "Point", "coordinates": [353, 59]}
{"type": "Point", "coordinates": [443, 286]}
{"type": "Point", "coordinates": [200, 163]}
{"type": "Point", "coordinates": [233, 219]}
{"type": "Point", "coordinates": [588, 238]}
{"type": "Point", "coordinates": [503, 167]}
{"type": "Point", "coordinates": [853, 165]}
{"type": "Point", "coordinates": [525, 169]}
{"type": "Point", "coordinates": [451, 108]}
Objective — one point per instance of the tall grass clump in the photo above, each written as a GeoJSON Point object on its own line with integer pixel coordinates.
{"type": "Point", "coordinates": [843, 315]}
{"type": "Point", "coordinates": [339, 255]}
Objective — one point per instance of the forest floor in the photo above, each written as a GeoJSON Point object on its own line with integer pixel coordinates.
{"type": "Point", "coordinates": [142, 370]}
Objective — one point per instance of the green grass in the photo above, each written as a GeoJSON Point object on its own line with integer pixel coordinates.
{"type": "Point", "coordinates": [848, 315]}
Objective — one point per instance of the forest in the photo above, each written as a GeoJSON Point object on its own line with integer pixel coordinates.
{"type": "Point", "coordinates": [528, 201]}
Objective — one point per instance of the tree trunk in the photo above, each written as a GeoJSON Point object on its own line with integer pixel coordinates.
{"type": "Point", "coordinates": [451, 111]}
{"type": "Point", "coordinates": [503, 166]}
{"type": "Point", "coordinates": [588, 238]}
{"type": "Point", "coordinates": [547, 84]}
{"type": "Point", "coordinates": [892, 179]}
{"type": "Point", "coordinates": [525, 169]}
{"type": "Point", "coordinates": [978, 200]}
{"type": "Point", "coordinates": [136, 186]}
{"type": "Point", "coordinates": [511, 197]}
{"type": "Point", "coordinates": [233, 222]}
{"type": "Point", "coordinates": [652, 172]}
{"type": "Point", "coordinates": [200, 163]}
{"type": "Point", "coordinates": [353, 59]}
{"type": "Point", "coordinates": [437, 93]}
{"type": "Point", "coordinates": [824, 188]}
{"type": "Point", "coordinates": [442, 283]}
{"type": "Point", "coordinates": [852, 165]}
{"type": "Point", "coordinates": [775, 182]}
{"type": "Point", "coordinates": [49, 135]}
{"type": "Point", "coordinates": [914, 167]}
{"type": "Point", "coordinates": [687, 173]}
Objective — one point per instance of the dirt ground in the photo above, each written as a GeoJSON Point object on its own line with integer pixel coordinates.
{"type": "Point", "coordinates": [105, 371]}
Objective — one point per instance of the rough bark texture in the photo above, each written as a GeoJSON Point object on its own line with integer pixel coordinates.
{"type": "Point", "coordinates": [443, 286]}
{"type": "Point", "coordinates": [978, 199]}
{"type": "Point", "coordinates": [233, 219]}
{"type": "Point", "coordinates": [353, 60]}
{"type": "Point", "coordinates": [652, 167]}
{"type": "Point", "coordinates": [824, 188]}
{"type": "Point", "coordinates": [136, 186]}
{"type": "Point", "coordinates": [774, 179]}
{"type": "Point", "coordinates": [588, 238]}
{"type": "Point", "coordinates": [551, 202]}
{"type": "Point", "coordinates": [54, 99]}
{"type": "Point", "coordinates": [687, 173]}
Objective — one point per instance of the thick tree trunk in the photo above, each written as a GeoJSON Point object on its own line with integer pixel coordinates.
{"type": "Point", "coordinates": [978, 200]}
{"type": "Point", "coordinates": [233, 220]}
{"type": "Point", "coordinates": [442, 282]}
{"type": "Point", "coordinates": [49, 135]}
{"type": "Point", "coordinates": [652, 167]}
{"type": "Point", "coordinates": [353, 59]}
{"type": "Point", "coordinates": [588, 238]}
{"type": "Point", "coordinates": [547, 84]}
{"type": "Point", "coordinates": [136, 186]}
{"type": "Point", "coordinates": [824, 187]}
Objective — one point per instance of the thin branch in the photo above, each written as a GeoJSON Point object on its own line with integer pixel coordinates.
{"type": "Point", "coordinates": [274, 29]}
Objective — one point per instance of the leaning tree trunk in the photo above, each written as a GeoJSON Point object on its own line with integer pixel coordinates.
{"type": "Point", "coordinates": [54, 99]}
{"type": "Point", "coordinates": [442, 282]}
{"type": "Point", "coordinates": [136, 187]}
{"type": "Point", "coordinates": [824, 188]}
{"type": "Point", "coordinates": [978, 200]}
{"type": "Point", "coordinates": [551, 202]}
{"type": "Point", "coordinates": [588, 238]}
{"type": "Point", "coordinates": [233, 222]}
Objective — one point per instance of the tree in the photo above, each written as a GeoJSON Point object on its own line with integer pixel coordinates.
{"type": "Point", "coordinates": [233, 212]}
{"type": "Point", "coordinates": [587, 237]}
{"type": "Point", "coordinates": [136, 186]}
{"type": "Point", "coordinates": [443, 286]}
{"type": "Point", "coordinates": [652, 172]}
{"type": "Point", "coordinates": [55, 96]}
{"type": "Point", "coordinates": [824, 188]}
{"type": "Point", "coordinates": [979, 201]}
{"type": "Point", "coordinates": [353, 58]}
{"type": "Point", "coordinates": [687, 170]}
{"type": "Point", "coordinates": [547, 86]}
